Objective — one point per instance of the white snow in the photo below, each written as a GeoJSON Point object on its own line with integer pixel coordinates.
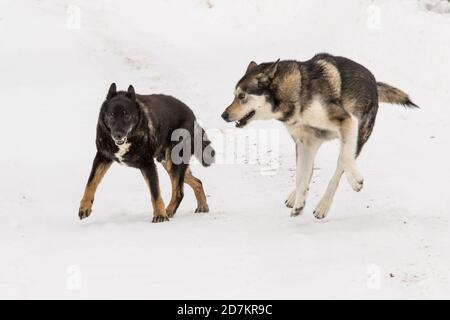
{"type": "Point", "coordinates": [391, 240]}
{"type": "Point", "coordinates": [440, 6]}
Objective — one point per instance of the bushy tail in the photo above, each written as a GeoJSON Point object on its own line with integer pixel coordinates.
{"type": "Point", "coordinates": [203, 150]}
{"type": "Point", "coordinates": [389, 94]}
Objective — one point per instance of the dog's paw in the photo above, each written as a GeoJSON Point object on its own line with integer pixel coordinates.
{"type": "Point", "coordinates": [202, 209]}
{"type": "Point", "coordinates": [322, 209]}
{"type": "Point", "coordinates": [85, 209]}
{"type": "Point", "coordinates": [356, 185]}
{"type": "Point", "coordinates": [83, 213]}
{"type": "Point", "coordinates": [355, 180]}
{"type": "Point", "coordinates": [290, 200]}
{"type": "Point", "coordinates": [296, 211]}
{"type": "Point", "coordinates": [158, 219]}
{"type": "Point", "coordinates": [170, 212]}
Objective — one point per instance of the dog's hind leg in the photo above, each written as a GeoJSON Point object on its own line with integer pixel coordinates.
{"type": "Point", "coordinates": [349, 141]}
{"type": "Point", "coordinates": [197, 186]}
{"type": "Point", "coordinates": [99, 168]}
{"type": "Point", "coordinates": [306, 151]}
{"type": "Point", "coordinates": [151, 178]}
{"type": "Point", "coordinates": [362, 135]}
{"type": "Point", "coordinates": [324, 204]}
{"type": "Point", "coordinates": [177, 175]}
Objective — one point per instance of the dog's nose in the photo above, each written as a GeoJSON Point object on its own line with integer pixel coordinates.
{"type": "Point", "coordinates": [118, 137]}
{"type": "Point", "coordinates": [225, 116]}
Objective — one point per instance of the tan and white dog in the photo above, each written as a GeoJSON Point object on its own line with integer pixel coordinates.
{"type": "Point", "coordinates": [324, 98]}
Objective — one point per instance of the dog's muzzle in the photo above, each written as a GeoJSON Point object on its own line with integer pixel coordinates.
{"type": "Point", "coordinates": [226, 116]}
{"type": "Point", "coordinates": [119, 140]}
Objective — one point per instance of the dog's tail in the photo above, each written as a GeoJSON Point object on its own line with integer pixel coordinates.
{"type": "Point", "coordinates": [390, 94]}
{"type": "Point", "coordinates": [203, 150]}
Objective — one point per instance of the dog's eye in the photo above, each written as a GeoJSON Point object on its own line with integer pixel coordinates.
{"type": "Point", "coordinates": [111, 115]}
{"type": "Point", "coordinates": [241, 96]}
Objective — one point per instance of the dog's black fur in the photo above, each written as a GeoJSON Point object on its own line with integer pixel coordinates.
{"type": "Point", "coordinates": [142, 125]}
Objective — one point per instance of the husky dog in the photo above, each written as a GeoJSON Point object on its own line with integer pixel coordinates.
{"type": "Point", "coordinates": [324, 98]}
{"type": "Point", "coordinates": [133, 130]}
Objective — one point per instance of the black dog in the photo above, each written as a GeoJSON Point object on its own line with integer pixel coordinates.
{"type": "Point", "coordinates": [133, 130]}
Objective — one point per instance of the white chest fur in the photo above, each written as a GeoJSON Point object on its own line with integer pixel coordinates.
{"type": "Point", "coordinates": [313, 118]}
{"type": "Point", "coordinates": [123, 149]}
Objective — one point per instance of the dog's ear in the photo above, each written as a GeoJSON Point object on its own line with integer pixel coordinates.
{"type": "Point", "coordinates": [266, 76]}
{"type": "Point", "coordinates": [130, 93]}
{"type": "Point", "coordinates": [252, 65]}
{"type": "Point", "coordinates": [112, 91]}
{"type": "Point", "coordinates": [270, 71]}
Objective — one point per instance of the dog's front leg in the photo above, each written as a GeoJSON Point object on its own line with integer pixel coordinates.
{"type": "Point", "coordinates": [151, 178]}
{"type": "Point", "coordinates": [99, 168]}
{"type": "Point", "coordinates": [306, 153]}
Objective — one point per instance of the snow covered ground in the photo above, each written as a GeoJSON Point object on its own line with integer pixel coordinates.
{"type": "Point", "coordinates": [391, 240]}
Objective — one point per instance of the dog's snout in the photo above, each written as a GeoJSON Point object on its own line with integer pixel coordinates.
{"type": "Point", "coordinates": [225, 116]}
{"type": "Point", "coordinates": [118, 137]}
